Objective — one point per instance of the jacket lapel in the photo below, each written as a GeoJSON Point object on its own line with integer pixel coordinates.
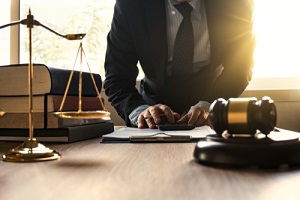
{"type": "Point", "coordinates": [156, 23]}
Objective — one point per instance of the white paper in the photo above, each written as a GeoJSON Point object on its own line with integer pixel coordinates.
{"type": "Point", "coordinates": [127, 132]}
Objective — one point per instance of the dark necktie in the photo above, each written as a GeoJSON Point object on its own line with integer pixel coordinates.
{"type": "Point", "coordinates": [184, 43]}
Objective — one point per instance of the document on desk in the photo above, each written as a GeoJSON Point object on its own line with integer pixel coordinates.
{"type": "Point", "coordinates": [129, 134]}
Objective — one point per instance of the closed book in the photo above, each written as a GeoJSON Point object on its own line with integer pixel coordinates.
{"type": "Point", "coordinates": [66, 134]}
{"type": "Point", "coordinates": [48, 103]}
{"type": "Point", "coordinates": [46, 80]}
{"type": "Point", "coordinates": [41, 120]}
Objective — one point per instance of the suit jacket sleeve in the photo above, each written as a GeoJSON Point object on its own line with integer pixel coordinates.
{"type": "Point", "coordinates": [121, 65]}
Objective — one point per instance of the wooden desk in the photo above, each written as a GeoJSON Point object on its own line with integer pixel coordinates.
{"type": "Point", "coordinates": [89, 170]}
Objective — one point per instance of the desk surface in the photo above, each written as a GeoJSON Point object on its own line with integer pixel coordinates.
{"type": "Point", "coordinates": [90, 170]}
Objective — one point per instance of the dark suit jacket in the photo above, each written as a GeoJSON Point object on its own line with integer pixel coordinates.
{"type": "Point", "coordinates": [138, 33]}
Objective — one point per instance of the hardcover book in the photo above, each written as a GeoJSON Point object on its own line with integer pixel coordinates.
{"type": "Point", "coordinates": [46, 80]}
{"type": "Point", "coordinates": [66, 134]}
{"type": "Point", "coordinates": [17, 109]}
{"type": "Point", "coordinates": [48, 103]}
{"type": "Point", "coordinates": [42, 120]}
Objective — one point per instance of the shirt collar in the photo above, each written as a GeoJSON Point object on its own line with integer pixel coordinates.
{"type": "Point", "coordinates": [196, 4]}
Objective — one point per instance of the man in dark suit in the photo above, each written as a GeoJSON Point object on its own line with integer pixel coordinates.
{"type": "Point", "coordinates": [145, 31]}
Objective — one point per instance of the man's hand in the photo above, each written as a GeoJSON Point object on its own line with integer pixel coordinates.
{"type": "Point", "coordinates": [157, 114]}
{"type": "Point", "coordinates": [196, 116]}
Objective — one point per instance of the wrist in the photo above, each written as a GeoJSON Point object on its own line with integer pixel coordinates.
{"type": "Point", "coordinates": [134, 115]}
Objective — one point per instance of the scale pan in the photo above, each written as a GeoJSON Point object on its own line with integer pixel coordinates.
{"type": "Point", "coordinates": [84, 114]}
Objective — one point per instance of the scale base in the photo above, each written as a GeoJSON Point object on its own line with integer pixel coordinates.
{"type": "Point", "coordinates": [31, 151]}
{"type": "Point", "coordinates": [265, 152]}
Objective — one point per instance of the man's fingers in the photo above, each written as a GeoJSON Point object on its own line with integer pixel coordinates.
{"type": "Point", "coordinates": [161, 111]}
{"type": "Point", "coordinates": [202, 119]}
{"type": "Point", "coordinates": [146, 122]}
{"type": "Point", "coordinates": [155, 115]}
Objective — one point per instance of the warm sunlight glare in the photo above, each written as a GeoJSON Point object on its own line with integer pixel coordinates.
{"type": "Point", "coordinates": [277, 28]}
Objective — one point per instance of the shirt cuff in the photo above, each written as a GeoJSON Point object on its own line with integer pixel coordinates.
{"type": "Point", "coordinates": [134, 115]}
{"type": "Point", "coordinates": [204, 105]}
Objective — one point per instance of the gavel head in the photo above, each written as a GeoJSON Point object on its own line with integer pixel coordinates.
{"type": "Point", "coordinates": [243, 115]}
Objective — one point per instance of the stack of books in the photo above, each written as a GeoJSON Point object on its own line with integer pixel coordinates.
{"type": "Point", "coordinates": [49, 85]}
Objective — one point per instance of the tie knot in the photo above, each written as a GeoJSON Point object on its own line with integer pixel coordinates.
{"type": "Point", "coordinates": [184, 8]}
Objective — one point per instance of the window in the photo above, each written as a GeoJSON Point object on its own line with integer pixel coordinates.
{"type": "Point", "coordinates": [5, 33]}
{"type": "Point", "coordinates": [276, 27]}
{"type": "Point", "coordinates": [65, 17]}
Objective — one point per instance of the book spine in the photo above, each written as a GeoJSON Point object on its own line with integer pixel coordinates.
{"type": "Point", "coordinates": [60, 78]}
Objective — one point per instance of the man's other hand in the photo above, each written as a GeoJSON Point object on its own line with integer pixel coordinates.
{"type": "Point", "coordinates": [196, 116]}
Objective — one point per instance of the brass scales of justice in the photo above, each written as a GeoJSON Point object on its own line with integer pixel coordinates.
{"type": "Point", "coordinates": [31, 150]}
